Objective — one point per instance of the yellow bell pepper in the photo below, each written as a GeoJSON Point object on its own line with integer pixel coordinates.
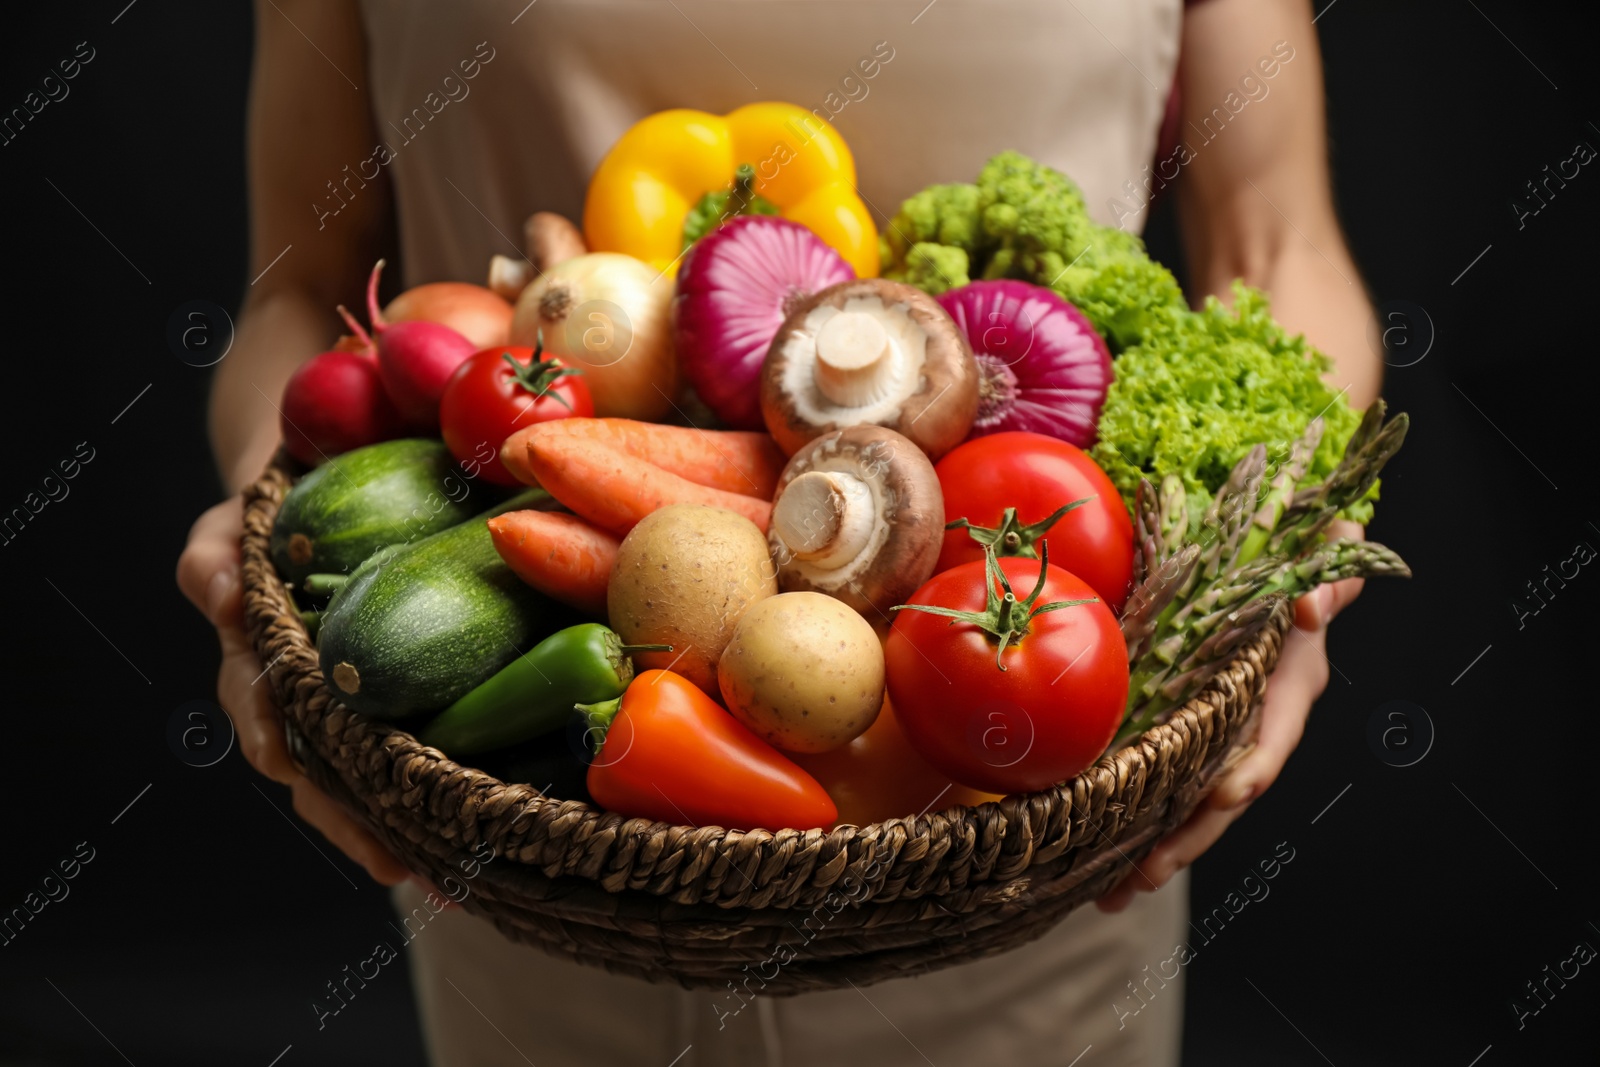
{"type": "Point", "coordinates": [642, 193]}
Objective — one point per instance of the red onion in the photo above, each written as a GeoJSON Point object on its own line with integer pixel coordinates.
{"type": "Point", "coordinates": [735, 288]}
{"type": "Point", "coordinates": [1041, 365]}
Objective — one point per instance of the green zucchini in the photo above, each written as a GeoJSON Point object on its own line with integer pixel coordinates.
{"type": "Point", "coordinates": [420, 625]}
{"type": "Point", "coordinates": [357, 503]}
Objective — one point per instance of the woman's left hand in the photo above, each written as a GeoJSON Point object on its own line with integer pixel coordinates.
{"type": "Point", "coordinates": [1298, 680]}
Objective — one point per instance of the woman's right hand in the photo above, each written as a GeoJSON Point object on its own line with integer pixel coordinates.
{"type": "Point", "coordinates": [209, 575]}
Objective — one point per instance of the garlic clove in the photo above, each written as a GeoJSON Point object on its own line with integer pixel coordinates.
{"type": "Point", "coordinates": [508, 277]}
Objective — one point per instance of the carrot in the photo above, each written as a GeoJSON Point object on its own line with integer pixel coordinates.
{"type": "Point", "coordinates": [560, 555]}
{"type": "Point", "coordinates": [735, 461]}
{"type": "Point", "coordinates": [614, 490]}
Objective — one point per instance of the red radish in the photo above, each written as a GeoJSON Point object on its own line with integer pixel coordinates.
{"type": "Point", "coordinates": [335, 402]}
{"type": "Point", "coordinates": [474, 312]}
{"type": "Point", "coordinates": [415, 359]}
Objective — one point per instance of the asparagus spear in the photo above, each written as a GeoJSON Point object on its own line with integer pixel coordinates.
{"type": "Point", "coordinates": [1282, 490]}
{"type": "Point", "coordinates": [1150, 598]}
{"type": "Point", "coordinates": [1261, 544]}
{"type": "Point", "coordinates": [1174, 514]}
{"type": "Point", "coordinates": [1231, 512]}
{"type": "Point", "coordinates": [1146, 541]}
{"type": "Point", "coordinates": [1310, 514]}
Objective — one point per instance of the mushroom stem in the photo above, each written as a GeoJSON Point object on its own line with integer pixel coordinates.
{"type": "Point", "coordinates": [854, 364]}
{"type": "Point", "coordinates": [825, 517]}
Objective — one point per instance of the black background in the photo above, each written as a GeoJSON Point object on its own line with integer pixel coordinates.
{"type": "Point", "coordinates": [1416, 906]}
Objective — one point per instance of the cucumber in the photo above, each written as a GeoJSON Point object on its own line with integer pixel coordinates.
{"type": "Point", "coordinates": [422, 624]}
{"type": "Point", "coordinates": [357, 503]}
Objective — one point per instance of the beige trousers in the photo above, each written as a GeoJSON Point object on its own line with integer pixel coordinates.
{"type": "Point", "coordinates": [1062, 1000]}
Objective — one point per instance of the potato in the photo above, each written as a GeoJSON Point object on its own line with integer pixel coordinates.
{"type": "Point", "coordinates": [683, 577]}
{"type": "Point", "coordinates": [804, 671]}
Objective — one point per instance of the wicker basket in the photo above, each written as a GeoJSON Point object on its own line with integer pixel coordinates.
{"type": "Point", "coordinates": [774, 913]}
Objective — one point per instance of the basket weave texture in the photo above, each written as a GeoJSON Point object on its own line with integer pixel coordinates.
{"type": "Point", "coordinates": [770, 913]}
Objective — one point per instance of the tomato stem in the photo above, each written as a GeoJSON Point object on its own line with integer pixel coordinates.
{"type": "Point", "coordinates": [1004, 618]}
{"type": "Point", "coordinates": [540, 373]}
{"type": "Point", "coordinates": [1009, 536]}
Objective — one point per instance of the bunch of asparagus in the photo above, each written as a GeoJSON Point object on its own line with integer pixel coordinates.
{"type": "Point", "coordinates": [1198, 596]}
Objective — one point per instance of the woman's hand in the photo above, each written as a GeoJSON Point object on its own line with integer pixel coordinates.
{"type": "Point", "coordinates": [1236, 200]}
{"type": "Point", "coordinates": [208, 574]}
{"type": "Point", "coordinates": [304, 125]}
{"type": "Point", "coordinates": [1298, 680]}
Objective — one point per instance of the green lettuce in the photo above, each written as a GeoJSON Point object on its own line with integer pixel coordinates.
{"type": "Point", "coordinates": [1201, 388]}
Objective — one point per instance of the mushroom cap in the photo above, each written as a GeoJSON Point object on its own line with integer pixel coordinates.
{"type": "Point", "coordinates": [907, 531]}
{"type": "Point", "coordinates": [934, 397]}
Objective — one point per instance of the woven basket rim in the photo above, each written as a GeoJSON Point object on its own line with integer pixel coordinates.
{"type": "Point", "coordinates": [571, 837]}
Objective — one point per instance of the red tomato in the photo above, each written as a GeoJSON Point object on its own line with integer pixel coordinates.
{"type": "Point", "coordinates": [1036, 475]}
{"type": "Point", "coordinates": [1049, 714]}
{"type": "Point", "coordinates": [486, 401]}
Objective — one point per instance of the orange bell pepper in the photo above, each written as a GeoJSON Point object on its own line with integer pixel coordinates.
{"type": "Point", "coordinates": [661, 169]}
{"type": "Point", "coordinates": [671, 753]}
{"type": "Point", "coordinates": [879, 776]}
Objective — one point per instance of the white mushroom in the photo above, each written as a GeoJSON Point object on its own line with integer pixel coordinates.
{"type": "Point", "coordinates": [858, 515]}
{"type": "Point", "coordinates": [870, 352]}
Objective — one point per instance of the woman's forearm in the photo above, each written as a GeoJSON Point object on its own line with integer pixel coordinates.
{"type": "Point", "coordinates": [305, 125]}
{"type": "Point", "coordinates": [1312, 279]}
{"type": "Point", "coordinates": [1325, 301]}
{"type": "Point", "coordinates": [1258, 203]}
{"type": "Point", "coordinates": [274, 335]}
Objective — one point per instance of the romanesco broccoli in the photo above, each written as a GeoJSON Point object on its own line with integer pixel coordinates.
{"type": "Point", "coordinates": [940, 214]}
{"type": "Point", "coordinates": [935, 268]}
{"type": "Point", "coordinates": [1024, 220]}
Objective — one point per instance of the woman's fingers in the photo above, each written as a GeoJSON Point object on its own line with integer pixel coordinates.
{"type": "Point", "coordinates": [347, 835]}
{"type": "Point", "coordinates": [1340, 594]}
{"type": "Point", "coordinates": [245, 694]}
{"type": "Point", "coordinates": [1120, 897]}
{"type": "Point", "coordinates": [208, 569]}
{"type": "Point", "coordinates": [1185, 845]}
{"type": "Point", "coordinates": [208, 574]}
{"type": "Point", "coordinates": [1300, 677]}
{"type": "Point", "coordinates": [1298, 680]}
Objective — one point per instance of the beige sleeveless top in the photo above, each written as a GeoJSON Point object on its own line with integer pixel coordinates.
{"type": "Point", "coordinates": [492, 110]}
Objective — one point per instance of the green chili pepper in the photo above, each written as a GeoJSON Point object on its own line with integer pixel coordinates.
{"type": "Point", "coordinates": [535, 693]}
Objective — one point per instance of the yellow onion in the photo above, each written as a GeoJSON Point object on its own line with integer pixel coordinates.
{"type": "Point", "coordinates": [606, 315]}
{"type": "Point", "coordinates": [471, 310]}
